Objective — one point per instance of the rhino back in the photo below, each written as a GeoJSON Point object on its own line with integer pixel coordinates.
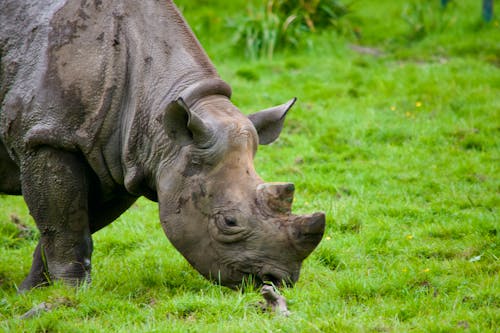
{"type": "Point", "coordinates": [56, 74]}
{"type": "Point", "coordinates": [92, 74]}
{"type": "Point", "coordinates": [23, 32]}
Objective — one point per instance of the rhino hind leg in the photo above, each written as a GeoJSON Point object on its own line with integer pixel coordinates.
{"type": "Point", "coordinates": [9, 173]}
{"type": "Point", "coordinates": [38, 275]}
{"type": "Point", "coordinates": [55, 188]}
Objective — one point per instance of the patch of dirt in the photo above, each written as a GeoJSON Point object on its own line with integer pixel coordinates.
{"type": "Point", "coordinates": [366, 50]}
{"type": "Point", "coordinates": [46, 307]}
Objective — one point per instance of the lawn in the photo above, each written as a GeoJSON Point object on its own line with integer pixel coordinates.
{"type": "Point", "coordinates": [395, 136]}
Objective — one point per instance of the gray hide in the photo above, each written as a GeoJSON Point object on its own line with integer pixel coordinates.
{"type": "Point", "coordinates": [106, 101]}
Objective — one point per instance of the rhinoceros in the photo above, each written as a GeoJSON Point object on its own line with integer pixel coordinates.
{"type": "Point", "coordinates": [103, 102]}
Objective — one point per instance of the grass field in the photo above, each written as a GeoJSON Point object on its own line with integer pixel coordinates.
{"type": "Point", "coordinates": [398, 142]}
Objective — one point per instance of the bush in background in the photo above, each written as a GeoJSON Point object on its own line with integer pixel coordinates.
{"type": "Point", "coordinates": [426, 17]}
{"type": "Point", "coordinates": [280, 24]}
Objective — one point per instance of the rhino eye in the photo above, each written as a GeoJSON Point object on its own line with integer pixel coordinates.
{"type": "Point", "coordinates": [227, 224]}
{"type": "Point", "coordinates": [230, 221]}
{"type": "Point", "coordinates": [227, 229]}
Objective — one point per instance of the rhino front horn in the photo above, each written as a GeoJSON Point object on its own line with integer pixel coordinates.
{"type": "Point", "coordinates": [307, 231]}
{"type": "Point", "coordinates": [277, 196]}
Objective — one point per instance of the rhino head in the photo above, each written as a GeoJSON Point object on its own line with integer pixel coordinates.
{"type": "Point", "coordinates": [215, 209]}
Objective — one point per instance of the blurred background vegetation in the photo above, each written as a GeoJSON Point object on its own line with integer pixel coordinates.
{"type": "Point", "coordinates": [260, 28]}
{"type": "Point", "coordinates": [395, 136]}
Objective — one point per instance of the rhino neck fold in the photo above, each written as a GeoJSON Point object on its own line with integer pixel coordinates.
{"type": "Point", "coordinates": [204, 88]}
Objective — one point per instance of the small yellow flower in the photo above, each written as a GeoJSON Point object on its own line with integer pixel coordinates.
{"type": "Point", "coordinates": [328, 238]}
{"type": "Point", "coordinates": [409, 237]}
{"type": "Point", "coordinates": [408, 114]}
{"type": "Point", "coordinates": [427, 270]}
{"type": "Point", "coordinates": [418, 104]}
{"type": "Point", "coordinates": [393, 108]}
{"type": "Point", "coordinates": [405, 270]}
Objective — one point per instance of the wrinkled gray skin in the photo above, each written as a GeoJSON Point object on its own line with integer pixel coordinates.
{"type": "Point", "coordinates": [106, 101]}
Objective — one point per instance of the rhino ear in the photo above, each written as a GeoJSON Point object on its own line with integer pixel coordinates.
{"type": "Point", "coordinates": [269, 122]}
{"type": "Point", "coordinates": [185, 127]}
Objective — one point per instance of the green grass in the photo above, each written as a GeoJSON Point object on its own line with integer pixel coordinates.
{"type": "Point", "coordinates": [401, 151]}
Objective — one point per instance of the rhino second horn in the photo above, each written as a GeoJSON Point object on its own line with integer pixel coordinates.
{"type": "Point", "coordinates": [307, 232]}
{"type": "Point", "coordinates": [277, 196]}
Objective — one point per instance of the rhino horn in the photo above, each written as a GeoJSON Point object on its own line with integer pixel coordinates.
{"type": "Point", "coordinates": [306, 232]}
{"type": "Point", "coordinates": [277, 196]}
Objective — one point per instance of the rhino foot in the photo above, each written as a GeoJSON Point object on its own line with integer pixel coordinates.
{"type": "Point", "coordinates": [73, 274]}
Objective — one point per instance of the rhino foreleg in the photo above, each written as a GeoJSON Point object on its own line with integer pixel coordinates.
{"type": "Point", "coordinates": [55, 188]}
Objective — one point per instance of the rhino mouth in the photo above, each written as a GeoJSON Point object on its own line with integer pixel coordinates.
{"type": "Point", "coordinates": [273, 280]}
{"type": "Point", "coordinates": [276, 278]}
{"type": "Point", "coordinates": [239, 276]}
{"type": "Point", "coordinates": [256, 281]}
